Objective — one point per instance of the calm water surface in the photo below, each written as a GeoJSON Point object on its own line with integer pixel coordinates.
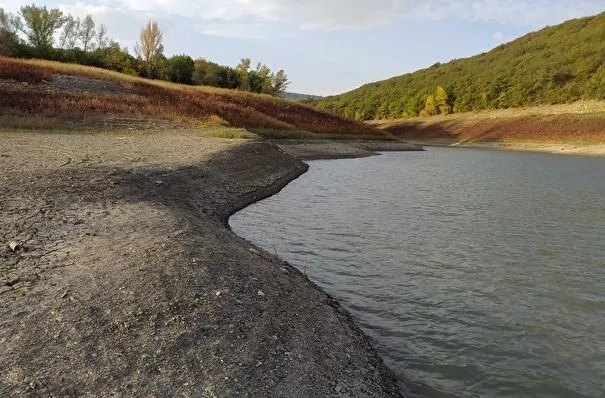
{"type": "Point", "coordinates": [475, 273]}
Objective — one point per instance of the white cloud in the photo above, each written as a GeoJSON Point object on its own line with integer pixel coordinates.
{"type": "Point", "coordinates": [330, 14]}
{"type": "Point", "coordinates": [236, 30]}
{"type": "Point", "coordinates": [498, 38]}
{"type": "Point", "coordinates": [342, 14]}
{"type": "Point", "coordinates": [523, 12]}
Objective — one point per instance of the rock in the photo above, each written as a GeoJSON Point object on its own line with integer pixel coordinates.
{"type": "Point", "coordinates": [14, 246]}
{"type": "Point", "coordinates": [253, 250]}
{"type": "Point", "coordinates": [218, 294]}
{"type": "Point", "coordinates": [261, 294]}
{"type": "Point", "coordinates": [285, 271]}
{"type": "Point", "coordinates": [338, 388]}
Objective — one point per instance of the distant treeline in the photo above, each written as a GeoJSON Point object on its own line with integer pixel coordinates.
{"type": "Point", "coordinates": [37, 32]}
{"type": "Point", "coordinates": [558, 64]}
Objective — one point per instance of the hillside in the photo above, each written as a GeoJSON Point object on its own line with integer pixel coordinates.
{"type": "Point", "coordinates": [297, 96]}
{"type": "Point", "coordinates": [577, 128]}
{"type": "Point", "coordinates": [558, 64]}
{"type": "Point", "coordinates": [46, 95]}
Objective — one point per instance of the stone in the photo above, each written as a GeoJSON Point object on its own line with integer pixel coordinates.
{"type": "Point", "coordinates": [14, 246]}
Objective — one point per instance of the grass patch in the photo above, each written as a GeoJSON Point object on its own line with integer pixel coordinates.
{"type": "Point", "coordinates": [226, 132]}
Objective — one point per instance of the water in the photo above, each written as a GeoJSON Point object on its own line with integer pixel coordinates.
{"type": "Point", "coordinates": [475, 273]}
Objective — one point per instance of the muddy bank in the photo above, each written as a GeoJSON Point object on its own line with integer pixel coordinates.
{"type": "Point", "coordinates": [127, 281]}
{"type": "Point", "coordinates": [561, 148]}
{"type": "Point", "coordinates": [557, 129]}
{"type": "Point", "coordinates": [326, 149]}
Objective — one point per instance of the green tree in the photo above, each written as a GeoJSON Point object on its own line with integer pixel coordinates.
{"type": "Point", "coordinates": [8, 33]}
{"type": "Point", "coordinates": [279, 82]}
{"type": "Point", "coordinates": [40, 24]}
{"type": "Point", "coordinates": [179, 69]}
{"type": "Point", "coordinates": [243, 70]}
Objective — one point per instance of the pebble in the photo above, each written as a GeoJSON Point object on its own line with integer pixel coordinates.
{"type": "Point", "coordinates": [14, 246]}
{"type": "Point", "coordinates": [260, 293]}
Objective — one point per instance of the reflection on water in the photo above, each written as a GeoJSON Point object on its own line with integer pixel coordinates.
{"type": "Point", "coordinates": [475, 273]}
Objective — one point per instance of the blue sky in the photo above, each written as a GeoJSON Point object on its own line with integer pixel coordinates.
{"type": "Point", "coordinates": [328, 46]}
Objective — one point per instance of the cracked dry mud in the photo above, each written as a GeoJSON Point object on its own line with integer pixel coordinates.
{"type": "Point", "coordinates": [128, 281]}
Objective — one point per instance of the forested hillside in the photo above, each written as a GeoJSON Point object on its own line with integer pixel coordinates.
{"type": "Point", "coordinates": [557, 64]}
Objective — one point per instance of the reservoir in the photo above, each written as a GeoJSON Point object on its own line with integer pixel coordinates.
{"type": "Point", "coordinates": [474, 272]}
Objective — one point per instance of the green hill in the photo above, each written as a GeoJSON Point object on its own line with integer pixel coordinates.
{"type": "Point", "coordinates": [557, 64]}
{"type": "Point", "coordinates": [298, 97]}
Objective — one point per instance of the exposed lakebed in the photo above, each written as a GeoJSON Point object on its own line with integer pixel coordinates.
{"type": "Point", "coordinates": [475, 273]}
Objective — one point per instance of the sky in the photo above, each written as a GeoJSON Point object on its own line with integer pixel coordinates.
{"type": "Point", "coordinates": [327, 46]}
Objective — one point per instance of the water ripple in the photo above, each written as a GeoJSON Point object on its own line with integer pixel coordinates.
{"type": "Point", "coordinates": [475, 273]}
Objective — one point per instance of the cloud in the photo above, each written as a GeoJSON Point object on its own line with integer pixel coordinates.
{"type": "Point", "coordinates": [354, 14]}
{"type": "Point", "coordinates": [236, 30]}
{"type": "Point", "coordinates": [498, 37]}
{"type": "Point", "coordinates": [334, 14]}
{"type": "Point", "coordinates": [519, 12]}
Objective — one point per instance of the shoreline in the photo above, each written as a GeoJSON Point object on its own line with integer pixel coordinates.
{"type": "Point", "coordinates": [341, 149]}
{"type": "Point", "coordinates": [128, 280]}
{"type": "Point", "coordinates": [571, 149]}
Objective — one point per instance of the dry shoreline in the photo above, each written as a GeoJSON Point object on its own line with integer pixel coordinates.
{"type": "Point", "coordinates": [581, 149]}
{"type": "Point", "coordinates": [128, 282]}
{"type": "Point", "coordinates": [341, 149]}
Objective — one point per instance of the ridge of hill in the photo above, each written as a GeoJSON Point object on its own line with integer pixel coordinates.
{"type": "Point", "coordinates": [36, 94]}
{"type": "Point", "coordinates": [298, 96]}
{"type": "Point", "coordinates": [558, 64]}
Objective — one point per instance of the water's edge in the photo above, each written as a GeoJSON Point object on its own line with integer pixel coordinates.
{"type": "Point", "coordinates": [272, 189]}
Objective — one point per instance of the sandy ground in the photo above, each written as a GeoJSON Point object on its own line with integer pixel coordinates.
{"type": "Point", "coordinates": [126, 280]}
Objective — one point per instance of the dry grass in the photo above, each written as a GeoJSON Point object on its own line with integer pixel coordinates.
{"type": "Point", "coordinates": [580, 122]}
{"type": "Point", "coordinates": [158, 99]}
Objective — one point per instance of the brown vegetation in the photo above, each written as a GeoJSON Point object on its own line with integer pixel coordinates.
{"type": "Point", "coordinates": [27, 89]}
{"type": "Point", "coordinates": [577, 123]}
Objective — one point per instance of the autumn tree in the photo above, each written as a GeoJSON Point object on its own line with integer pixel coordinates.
{"type": "Point", "coordinates": [40, 24]}
{"type": "Point", "coordinates": [441, 101]}
{"type": "Point", "coordinates": [429, 106]}
{"type": "Point", "coordinates": [150, 45]}
{"type": "Point", "coordinates": [87, 32]}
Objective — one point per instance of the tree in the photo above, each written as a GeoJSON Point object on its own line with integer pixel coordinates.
{"type": "Point", "coordinates": [87, 32]}
{"type": "Point", "coordinates": [243, 70]}
{"type": "Point", "coordinates": [429, 106]}
{"type": "Point", "coordinates": [102, 39]}
{"type": "Point", "coordinates": [280, 82]}
{"type": "Point", "coordinates": [40, 24]}
{"type": "Point", "coordinates": [149, 45]}
{"type": "Point", "coordinates": [8, 33]}
{"type": "Point", "coordinates": [70, 33]}
{"type": "Point", "coordinates": [179, 69]}
{"type": "Point", "coordinates": [441, 101]}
